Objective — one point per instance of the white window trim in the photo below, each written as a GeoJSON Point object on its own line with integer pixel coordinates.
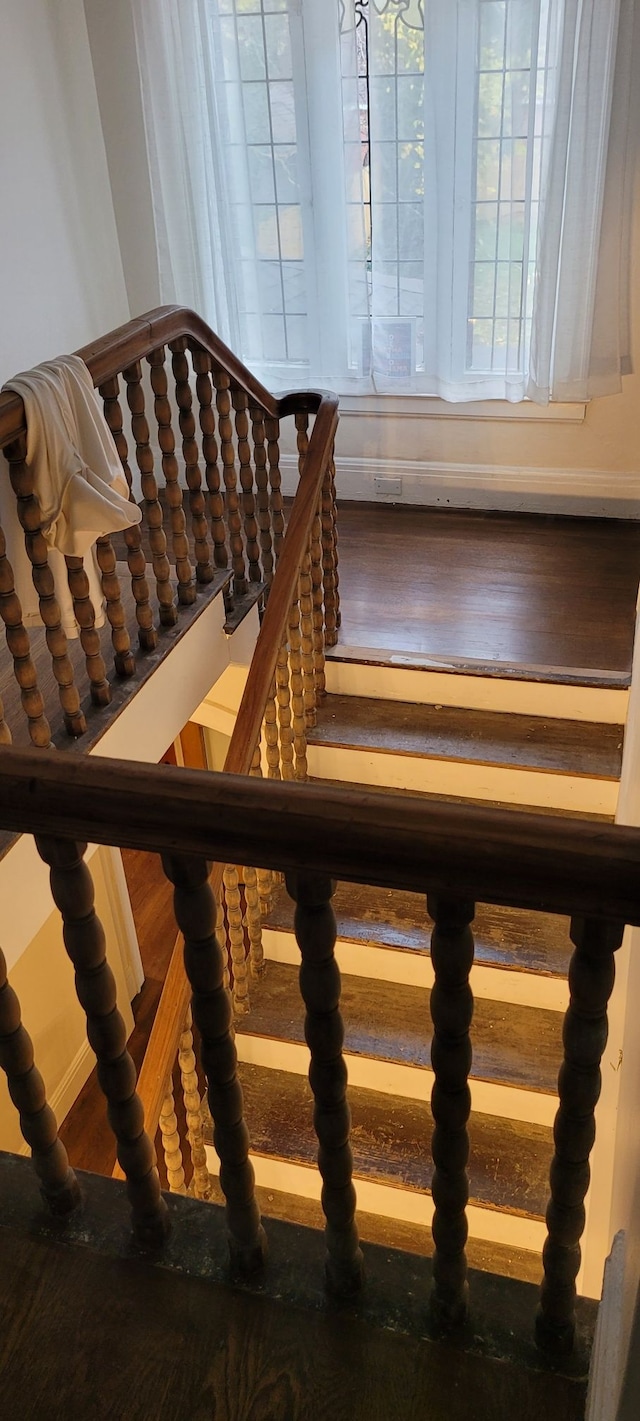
{"type": "Point", "coordinates": [431, 407]}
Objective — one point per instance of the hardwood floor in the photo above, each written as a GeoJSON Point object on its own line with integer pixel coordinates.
{"type": "Point", "coordinates": [494, 587]}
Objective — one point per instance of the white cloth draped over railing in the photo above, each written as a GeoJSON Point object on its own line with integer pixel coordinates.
{"type": "Point", "coordinates": [444, 209]}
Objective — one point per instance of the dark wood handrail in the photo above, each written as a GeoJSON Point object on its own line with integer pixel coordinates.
{"type": "Point", "coordinates": [508, 857]}
{"type": "Point", "coordinates": [114, 352]}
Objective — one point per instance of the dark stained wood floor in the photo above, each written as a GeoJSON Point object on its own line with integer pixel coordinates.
{"type": "Point", "coordinates": [503, 587]}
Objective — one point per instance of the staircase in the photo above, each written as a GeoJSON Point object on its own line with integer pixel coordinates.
{"type": "Point", "coordinates": [552, 746]}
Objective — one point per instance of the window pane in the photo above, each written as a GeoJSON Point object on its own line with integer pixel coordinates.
{"type": "Point", "coordinates": [410, 231]}
{"type": "Point", "coordinates": [270, 286]}
{"type": "Point", "coordinates": [410, 171]}
{"type": "Point", "coordinates": [275, 347]}
{"type": "Point", "coordinates": [485, 235]}
{"type": "Point", "coordinates": [251, 47]}
{"type": "Point", "coordinates": [492, 26]}
{"type": "Point", "coordinates": [411, 108]}
{"type": "Point", "coordinates": [266, 229]}
{"type": "Point", "coordinates": [383, 172]}
{"type": "Point", "coordinates": [483, 288]}
{"type": "Point", "coordinates": [295, 296]}
{"type": "Point", "coordinates": [278, 46]}
{"type": "Point", "coordinates": [286, 166]}
{"type": "Point", "coordinates": [488, 169]}
{"type": "Point", "coordinates": [490, 91]}
{"type": "Point", "coordinates": [297, 338]}
{"type": "Point", "coordinates": [382, 114]}
{"type": "Point", "coordinates": [261, 174]}
{"type": "Point", "coordinates": [283, 116]}
{"type": "Point", "coordinates": [516, 105]}
{"type": "Point", "coordinates": [385, 234]}
{"type": "Point", "coordinates": [290, 224]}
{"type": "Point", "coordinates": [256, 113]}
{"type": "Point", "coordinates": [481, 336]}
{"type": "Point", "coordinates": [519, 27]}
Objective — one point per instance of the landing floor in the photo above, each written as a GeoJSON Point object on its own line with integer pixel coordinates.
{"type": "Point", "coordinates": [489, 587]}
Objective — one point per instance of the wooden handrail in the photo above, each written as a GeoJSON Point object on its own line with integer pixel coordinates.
{"type": "Point", "coordinates": [507, 857]}
{"type": "Point", "coordinates": [162, 1045]}
{"type": "Point", "coordinates": [114, 352]}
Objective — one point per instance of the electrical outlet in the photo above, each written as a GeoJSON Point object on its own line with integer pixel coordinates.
{"type": "Point", "coordinates": [387, 487]}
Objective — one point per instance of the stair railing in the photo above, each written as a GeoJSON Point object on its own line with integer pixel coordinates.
{"type": "Point", "coordinates": [284, 687]}
{"type": "Point", "coordinates": [454, 854]}
{"type": "Point", "coordinates": [206, 436]}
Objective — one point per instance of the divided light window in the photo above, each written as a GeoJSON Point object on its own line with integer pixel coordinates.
{"type": "Point", "coordinates": [393, 250]}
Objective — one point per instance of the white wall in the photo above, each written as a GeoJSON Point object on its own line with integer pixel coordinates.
{"type": "Point", "coordinates": [61, 277]}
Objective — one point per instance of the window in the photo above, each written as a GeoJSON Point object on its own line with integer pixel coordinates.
{"type": "Point", "coordinates": [384, 190]}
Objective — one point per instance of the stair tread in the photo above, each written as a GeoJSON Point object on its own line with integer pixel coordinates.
{"type": "Point", "coordinates": [598, 678]}
{"type": "Point", "coordinates": [430, 796]}
{"type": "Point", "coordinates": [390, 1139]}
{"type": "Point", "coordinates": [482, 737]}
{"type": "Point", "coordinates": [505, 937]}
{"type": "Point", "coordinates": [497, 1258]}
{"type": "Point", "coordinates": [512, 1045]}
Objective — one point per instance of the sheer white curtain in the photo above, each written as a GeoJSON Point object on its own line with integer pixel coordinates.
{"type": "Point", "coordinates": [398, 195]}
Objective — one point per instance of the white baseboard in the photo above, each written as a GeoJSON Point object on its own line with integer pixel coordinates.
{"type": "Point", "coordinates": [594, 493]}
{"type": "Point", "coordinates": [69, 1087]}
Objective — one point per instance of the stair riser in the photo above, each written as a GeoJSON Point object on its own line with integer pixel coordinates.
{"type": "Point", "coordinates": [490, 693]}
{"type": "Point", "coordinates": [395, 1079]}
{"type": "Point", "coordinates": [489, 1225]}
{"type": "Point", "coordinates": [413, 969]}
{"type": "Point", "coordinates": [459, 778]}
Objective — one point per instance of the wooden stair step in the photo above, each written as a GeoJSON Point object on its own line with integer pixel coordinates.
{"type": "Point", "coordinates": [600, 678]}
{"type": "Point", "coordinates": [505, 937]}
{"type": "Point", "coordinates": [390, 1139]}
{"type": "Point", "coordinates": [430, 796]}
{"type": "Point", "coordinates": [512, 1045]}
{"type": "Point", "coordinates": [482, 737]}
{"type": "Point", "coordinates": [498, 1258]}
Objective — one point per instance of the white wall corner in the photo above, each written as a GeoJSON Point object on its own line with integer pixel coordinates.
{"type": "Point", "coordinates": [607, 1363]}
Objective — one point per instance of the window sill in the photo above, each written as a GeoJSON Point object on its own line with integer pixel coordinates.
{"type": "Point", "coordinates": [429, 407]}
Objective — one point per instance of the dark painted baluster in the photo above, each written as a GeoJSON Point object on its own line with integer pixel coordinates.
{"type": "Point", "coordinates": [204, 391]}
{"type": "Point", "coordinates": [195, 913]}
{"type": "Point", "coordinates": [123, 657]}
{"type": "Point", "coordinates": [184, 397]}
{"type": "Point", "coordinates": [85, 616]}
{"type": "Point", "coordinates": [234, 524]}
{"type": "Point", "coordinates": [329, 560]}
{"type": "Point", "coordinates": [272, 431]}
{"type": "Point", "coordinates": [30, 518]}
{"type": "Point", "coordinates": [37, 1120]}
{"type": "Point", "coordinates": [20, 649]}
{"type": "Point", "coordinates": [315, 928]}
{"type": "Point", "coordinates": [241, 405]}
{"type": "Point", "coordinates": [262, 489]}
{"type": "Point", "coordinates": [591, 978]}
{"type": "Point", "coordinates": [72, 890]}
{"type": "Point", "coordinates": [451, 1013]}
{"type": "Point", "coordinates": [136, 560]}
{"type": "Point", "coordinates": [152, 511]}
{"type": "Point", "coordinates": [162, 410]}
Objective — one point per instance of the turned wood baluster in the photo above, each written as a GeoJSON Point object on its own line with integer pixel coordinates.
{"type": "Point", "coordinates": [265, 876]}
{"type": "Point", "coordinates": [237, 945]}
{"type": "Point", "coordinates": [297, 693]}
{"type": "Point", "coordinates": [20, 649]}
{"type": "Point", "coordinates": [85, 616]}
{"type": "Point", "coordinates": [272, 431]}
{"type": "Point", "coordinates": [591, 978]}
{"type": "Point", "coordinates": [452, 950]}
{"type": "Point", "coordinates": [315, 929]}
{"type": "Point", "coordinates": [317, 599]}
{"type": "Point", "coordinates": [37, 1120]}
{"type": "Point", "coordinates": [195, 912]}
{"type": "Point", "coordinates": [72, 891]}
{"type": "Point", "coordinates": [30, 518]}
{"type": "Point", "coordinates": [241, 405]}
{"type": "Point", "coordinates": [306, 628]}
{"type": "Point", "coordinates": [234, 523]}
{"type": "Point", "coordinates": [253, 922]}
{"type": "Point", "coordinates": [136, 560]}
{"type": "Point", "coordinates": [197, 506]}
{"type": "Point", "coordinates": [172, 1151]}
{"type": "Point", "coordinates": [204, 391]}
{"type": "Point", "coordinates": [272, 739]}
{"type": "Point", "coordinates": [334, 520]}
{"type": "Point", "coordinates": [284, 712]}
{"type": "Point", "coordinates": [193, 1110]}
{"type": "Point", "coordinates": [330, 558]}
{"type": "Point", "coordinates": [262, 494]}
{"type": "Point", "coordinates": [152, 511]}
{"type": "Point", "coordinates": [166, 440]}
{"type": "Point", "coordinates": [302, 437]}
{"type": "Point", "coordinates": [122, 654]}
